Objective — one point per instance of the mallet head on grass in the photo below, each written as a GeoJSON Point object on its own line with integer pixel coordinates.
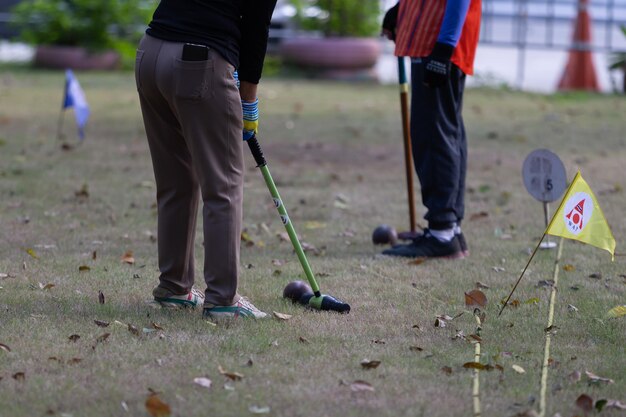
{"type": "Point", "coordinates": [300, 292]}
{"type": "Point", "coordinates": [384, 234]}
{"type": "Point", "coordinates": [296, 289]}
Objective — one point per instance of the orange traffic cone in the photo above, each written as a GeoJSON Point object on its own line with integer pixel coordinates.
{"type": "Point", "coordinates": [580, 73]}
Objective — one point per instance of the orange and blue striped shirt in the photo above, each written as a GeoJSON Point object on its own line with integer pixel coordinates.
{"type": "Point", "coordinates": [422, 23]}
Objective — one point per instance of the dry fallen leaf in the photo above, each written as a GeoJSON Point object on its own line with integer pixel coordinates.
{"type": "Point", "coordinates": [100, 297]}
{"type": "Point", "coordinates": [475, 298]}
{"type": "Point", "coordinates": [156, 407]}
{"type": "Point", "coordinates": [481, 286]}
{"type": "Point", "coordinates": [518, 369]}
{"type": "Point", "coordinates": [84, 268]}
{"type": "Point", "coordinates": [307, 247]}
{"type": "Point", "coordinates": [367, 364]}
{"type": "Point", "coordinates": [446, 370]}
{"type": "Point", "coordinates": [303, 339]}
{"type": "Point", "coordinates": [574, 376]}
{"type": "Point", "coordinates": [476, 337]}
{"type": "Point", "coordinates": [134, 330]}
{"type": "Point", "coordinates": [19, 376]}
{"type": "Point", "coordinates": [74, 361]}
{"type": "Point", "coordinates": [282, 316]}
{"type": "Point", "coordinates": [245, 237]}
{"type": "Point", "coordinates": [474, 365]}
{"type": "Point", "coordinates": [32, 253]}
{"type": "Point", "coordinates": [361, 386]}
{"type": "Point", "coordinates": [594, 379]}
{"type": "Point", "coordinates": [259, 410]}
{"type": "Point", "coordinates": [615, 404]}
{"type": "Point", "coordinates": [235, 376]}
{"type": "Point", "coordinates": [203, 382]}
{"type": "Point", "coordinates": [312, 225]}
{"type": "Point", "coordinates": [128, 257]}
{"type": "Point", "coordinates": [83, 192]}
{"type": "Point", "coordinates": [618, 311]}
{"type": "Point", "coordinates": [418, 261]}
{"type": "Point", "coordinates": [545, 283]}
{"type": "Point", "coordinates": [4, 347]}
{"type": "Point", "coordinates": [74, 337]}
{"type": "Point", "coordinates": [569, 268]}
{"type": "Point", "coordinates": [101, 323]}
{"type": "Point", "coordinates": [102, 337]}
{"type": "Point", "coordinates": [551, 329]}
{"type": "Point", "coordinates": [584, 402]}
{"type": "Point", "coordinates": [480, 215]}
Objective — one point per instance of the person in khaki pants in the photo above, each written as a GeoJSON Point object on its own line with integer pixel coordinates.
{"type": "Point", "coordinates": [192, 112]}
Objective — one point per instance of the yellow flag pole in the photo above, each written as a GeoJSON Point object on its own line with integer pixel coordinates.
{"type": "Point", "coordinates": [546, 354]}
{"type": "Point", "coordinates": [476, 376]}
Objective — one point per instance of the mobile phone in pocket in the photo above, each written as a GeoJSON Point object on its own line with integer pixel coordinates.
{"type": "Point", "coordinates": [194, 52]}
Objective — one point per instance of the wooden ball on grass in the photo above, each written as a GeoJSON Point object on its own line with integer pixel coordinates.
{"type": "Point", "coordinates": [296, 289]}
{"type": "Point", "coordinates": [384, 234]}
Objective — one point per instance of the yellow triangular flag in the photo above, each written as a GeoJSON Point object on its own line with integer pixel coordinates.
{"type": "Point", "coordinates": [579, 217]}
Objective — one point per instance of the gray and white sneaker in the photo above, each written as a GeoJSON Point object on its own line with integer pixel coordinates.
{"type": "Point", "coordinates": [240, 308]}
{"type": "Point", "coordinates": [193, 299]}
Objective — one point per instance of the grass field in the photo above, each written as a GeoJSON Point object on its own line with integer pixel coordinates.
{"type": "Point", "coordinates": [68, 216]}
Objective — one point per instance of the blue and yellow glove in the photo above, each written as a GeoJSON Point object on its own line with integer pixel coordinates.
{"type": "Point", "coordinates": [250, 114]}
{"type": "Point", "coordinates": [250, 118]}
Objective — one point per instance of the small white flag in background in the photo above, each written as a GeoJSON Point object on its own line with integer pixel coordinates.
{"type": "Point", "coordinates": [75, 97]}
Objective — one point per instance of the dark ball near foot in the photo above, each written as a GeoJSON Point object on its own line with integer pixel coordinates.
{"type": "Point", "coordinates": [384, 234]}
{"type": "Point", "coordinates": [296, 289]}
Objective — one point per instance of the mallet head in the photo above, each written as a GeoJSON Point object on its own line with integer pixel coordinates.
{"type": "Point", "coordinates": [296, 289]}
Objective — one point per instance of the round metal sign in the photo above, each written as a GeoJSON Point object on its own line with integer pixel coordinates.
{"type": "Point", "coordinates": [544, 175]}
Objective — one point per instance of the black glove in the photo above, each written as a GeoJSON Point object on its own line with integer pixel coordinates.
{"type": "Point", "coordinates": [390, 21]}
{"type": "Point", "coordinates": [437, 65]}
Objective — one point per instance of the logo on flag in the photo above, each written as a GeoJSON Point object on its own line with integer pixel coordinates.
{"type": "Point", "coordinates": [578, 211]}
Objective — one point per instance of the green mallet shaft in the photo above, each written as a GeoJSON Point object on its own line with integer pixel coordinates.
{"type": "Point", "coordinates": [284, 216]}
{"type": "Point", "coordinates": [316, 300]}
{"type": "Point", "coordinates": [290, 229]}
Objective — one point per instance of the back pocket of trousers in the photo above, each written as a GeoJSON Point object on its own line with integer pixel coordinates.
{"type": "Point", "coordinates": [193, 79]}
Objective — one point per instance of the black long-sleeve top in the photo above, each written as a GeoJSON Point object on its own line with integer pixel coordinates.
{"type": "Point", "coordinates": [237, 29]}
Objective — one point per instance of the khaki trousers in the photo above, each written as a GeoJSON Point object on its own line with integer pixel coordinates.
{"type": "Point", "coordinates": [193, 120]}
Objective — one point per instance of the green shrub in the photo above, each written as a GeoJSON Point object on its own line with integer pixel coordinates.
{"type": "Point", "coordinates": [94, 24]}
{"type": "Point", "coordinates": [339, 17]}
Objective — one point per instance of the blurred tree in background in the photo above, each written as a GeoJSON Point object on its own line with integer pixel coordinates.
{"type": "Point", "coordinates": [94, 24]}
{"type": "Point", "coordinates": [357, 18]}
